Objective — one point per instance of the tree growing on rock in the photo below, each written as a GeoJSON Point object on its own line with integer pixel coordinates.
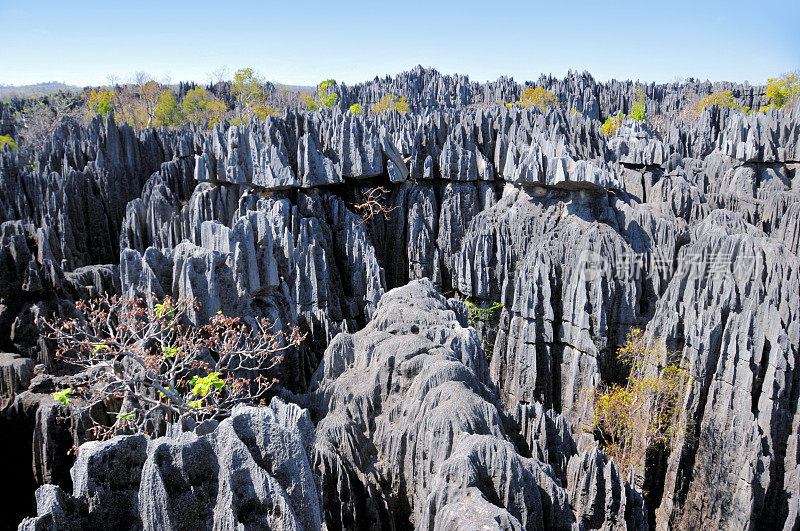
{"type": "Point", "coordinates": [640, 416]}
{"type": "Point", "coordinates": [539, 97]}
{"type": "Point", "coordinates": [391, 102]}
{"type": "Point", "coordinates": [327, 96]}
{"type": "Point", "coordinates": [168, 112]}
{"type": "Point", "coordinates": [251, 94]}
{"type": "Point", "coordinates": [144, 362]}
{"type": "Point", "coordinates": [782, 91]}
{"type": "Point", "coordinates": [201, 108]}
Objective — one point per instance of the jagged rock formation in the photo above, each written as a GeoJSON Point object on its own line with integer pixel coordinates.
{"type": "Point", "coordinates": [251, 471]}
{"type": "Point", "coordinates": [408, 420]}
{"type": "Point", "coordinates": [577, 235]}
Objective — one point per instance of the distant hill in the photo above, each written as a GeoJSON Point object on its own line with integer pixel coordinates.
{"type": "Point", "coordinates": [39, 89]}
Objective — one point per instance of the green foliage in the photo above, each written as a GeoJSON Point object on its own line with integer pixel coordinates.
{"type": "Point", "coordinates": [721, 99]}
{"type": "Point", "coordinates": [390, 102]}
{"type": "Point", "coordinates": [251, 93]}
{"type": "Point", "coordinates": [478, 314]}
{"type": "Point", "coordinates": [63, 396]}
{"type": "Point", "coordinates": [326, 96]}
{"type": "Point", "coordinates": [782, 90]}
{"type": "Point", "coordinates": [637, 109]}
{"type": "Point", "coordinates": [539, 97]}
{"type": "Point", "coordinates": [641, 416]}
{"type": "Point", "coordinates": [201, 108]}
{"type": "Point", "coordinates": [164, 309]}
{"type": "Point", "coordinates": [6, 140]}
{"type": "Point", "coordinates": [311, 103]}
{"type": "Point", "coordinates": [611, 125]}
{"type": "Point", "coordinates": [356, 108]}
{"type": "Point", "coordinates": [167, 111]}
{"type": "Point", "coordinates": [169, 352]}
{"type": "Point", "coordinates": [101, 101]}
{"type": "Point", "coordinates": [481, 318]}
{"type": "Point", "coordinates": [202, 386]}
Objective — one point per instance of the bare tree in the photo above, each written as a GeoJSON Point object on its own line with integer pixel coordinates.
{"type": "Point", "coordinates": [373, 205]}
{"type": "Point", "coordinates": [40, 117]}
{"type": "Point", "coordinates": [145, 359]}
{"type": "Point", "coordinates": [220, 75]}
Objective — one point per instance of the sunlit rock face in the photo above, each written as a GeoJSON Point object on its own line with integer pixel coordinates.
{"type": "Point", "coordinates": [422, 411]}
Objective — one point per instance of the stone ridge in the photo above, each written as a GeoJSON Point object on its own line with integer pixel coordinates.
{"type": "Point", "coordinates": [687, 227]}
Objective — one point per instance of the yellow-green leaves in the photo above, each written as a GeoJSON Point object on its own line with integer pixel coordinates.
{"type": "Point", "coordinates": [163, 309]}
{"type": "Point", "coordinates": [611, 125]}
{"type": "Point", "coordinates": [63, 396]}
{"type": "Point", "coordinates": [169, 352]}
{"type": "Point", "coordinates": [356, 108]}
{"type": "Point", "coordinates": [167, 112]}
{"type": "Point", "coordinates": [251, 93]}
{"type": "Point", "coordinates": [6, 140]}
{"type": "Point", "coordinates": [326, 96]}
{"type": "Point", "coordinates": [201, 107]}
{"type": "Point", "coordinates": [202, 386]}
{"type": "Point", "coordinates": [782, 90]}
{"type": "Point", "coordinates": [540, 97]}
{"type": "Point", "coordinates": [101, 101]}
{"type": "Point", "coordinates": [391, 102]}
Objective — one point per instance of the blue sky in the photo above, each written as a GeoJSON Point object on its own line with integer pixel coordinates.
{"type": "Point", "coordinates": [299, 42]}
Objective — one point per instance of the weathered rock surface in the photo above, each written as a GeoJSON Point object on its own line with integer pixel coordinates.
{"type": "Point", "coordinates": [252, 471]}
{"type": "Point", "coordinates": [577, 235]}
{"type": "Point", "coordinates": [410, 431]}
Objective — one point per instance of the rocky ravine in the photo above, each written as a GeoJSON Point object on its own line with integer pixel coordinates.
{"type": "Point", "coordinates": [689, 230]}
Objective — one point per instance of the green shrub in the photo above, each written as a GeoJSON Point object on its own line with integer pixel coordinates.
{"type": "Point", "coordinates": [389, 102]}
{"type": "Point", "coordinates": [721, 99]}
{"type": "Point", "coordinates": [201, 107]}
{"type": "Point", "coordinates": [637, 109]}
{"type": "Point", "coordinates": [641, 416]}
{"type": "Point", "coordinates": [101, 101]}
{"type": "Point", "coordinates": [251, 94]}
{"type": "Point", "coordinates": [6, 140]}
{"type": "Point", "coordinates": [167, 111]}
{"type": "Point", "coordinates": [356, 108]}
{"type": "Point", "coordinates": [611, 125]}
{"type": "Point", "coordinates": [782, 90]}
{"type": "Point", "coordinates": [540, 97]}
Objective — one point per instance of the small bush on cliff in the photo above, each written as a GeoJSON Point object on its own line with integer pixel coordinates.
{"type": "Point", "coordinates": [722, 98]}
{"type": "Point", "coordinates": [612, 123]}
{"type": "Point", "coordinates": [641, 416]}
{"type": "Point", "coordinates": [326, 96]}
{"type": "Point", "coordinates": [6, 140]}
{"type": "Point", "coordinates": [782, 91]}
{"type": "Point", "coordinates": [638, 105]}
{"type": "Point", "coordinates": [356, 108]}
{"type": "Point", "coordinates": [540, 97]}
{"type": "Point", "coordinates": [143, 362]}
{"type": "Point", "coordinates": [391, 102]}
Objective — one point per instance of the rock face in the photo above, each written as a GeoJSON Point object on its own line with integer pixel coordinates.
{"type": "Point", "coordinates": [410, 431]}
{"type": "Point", "coordinates": [250, 471]}
{"type": "Point", "coordinates": [688, 228]}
